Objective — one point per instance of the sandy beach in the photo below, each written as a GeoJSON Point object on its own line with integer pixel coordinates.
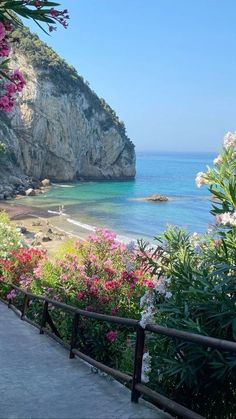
{"type": "Point", "coordinates": [36, 227]}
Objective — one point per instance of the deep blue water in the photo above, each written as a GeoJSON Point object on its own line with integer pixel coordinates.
{"type": "Point", "coordinates": [110, 204]}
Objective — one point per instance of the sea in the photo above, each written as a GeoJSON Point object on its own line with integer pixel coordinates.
{"type": "Point", "coordinates": [116, 205]}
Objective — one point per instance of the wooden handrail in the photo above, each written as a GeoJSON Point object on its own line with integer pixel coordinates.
{"type": "Point", "coordinates": [137, 387]}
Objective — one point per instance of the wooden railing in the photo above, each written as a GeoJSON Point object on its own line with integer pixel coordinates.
{"type": "Point", "coordinates": [137, 388]}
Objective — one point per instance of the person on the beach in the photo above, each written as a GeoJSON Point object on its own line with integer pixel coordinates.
{"type": "Point", "coordinates": [61, 209]}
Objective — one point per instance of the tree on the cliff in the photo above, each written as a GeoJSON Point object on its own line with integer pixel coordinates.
{"type": "Point", "coordinates": [41, 12]}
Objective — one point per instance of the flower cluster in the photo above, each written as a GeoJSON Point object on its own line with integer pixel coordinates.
{"type": "Point", "coordinates": [9, 239]}
{"type": "Point", "coordinates": [19, 267]}
{"type": "Point", "coordinates": [146, 367]}
{"type": "Point", "coordinates": [227, 219]}
{"type": "Point", "coordinates": [112, 335]}
{"type": "Point", "coordinates": [230, 140]}
{"type": "Point", "coordinates": [148, 308]}
{"type": "Point", "coordinates": [57, 16]}
{"type": "Point", "coordinates": [13, 82]}
{"type": "Point", "coordinates": [157, 287]}
{"type": "Point", "coordinates": [200, 179]}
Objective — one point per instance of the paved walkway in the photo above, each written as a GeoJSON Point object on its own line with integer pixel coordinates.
{"type": "Point", "coordinates": [39, 381]}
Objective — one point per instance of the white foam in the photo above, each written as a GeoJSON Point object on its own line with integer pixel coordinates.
{"type": "Point", "coordinates": [58, 213]}
{"type": "Point", "coordinates": [82, 225]}
{"type": "Point", "coordinates": [63, 186]}
{"type": "Point", "coordinates": [122, 239]}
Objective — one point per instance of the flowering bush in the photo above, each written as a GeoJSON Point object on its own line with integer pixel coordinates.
{"type": "Point", "coordinates": [18, 268]}
{"type": "Point", "coordinates": [12, 81]}
{"type": "Point", "coordinates": [102, 275]}
{"type": "Point", "coordinates": [9, 237]}
{"type": "Point", "coordinates": [195, 290]}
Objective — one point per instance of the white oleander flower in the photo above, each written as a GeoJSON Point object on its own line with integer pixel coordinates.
{"type": "Point", "coordinates": [167, 280]}
{"type": "Point", "coordinates": [146, 367]}
{"type": "Point", "coordinates": [146, 299]}
{"type": "Point", "coordinates": [218, 160]}
{"type": "Point", "coordinates": [168, 294]}
{"type": "Point", "coordinates": [227, 218]}
{"type": "Point", "coordinates": [200, 179]}
{"type": "Point", "coordinates": [230, 140]}
{"type": "Point", "coordinates": [147, 316]}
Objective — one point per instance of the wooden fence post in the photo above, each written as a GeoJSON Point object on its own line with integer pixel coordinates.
{"type": "Point", "coordinates": [138, 358]}
{"type": "Point", "coordinates": [24, 306]}
{"type": "Point", "coordinates": [44, 317]}
{"type": "Point", "coordinates": [74, 334]}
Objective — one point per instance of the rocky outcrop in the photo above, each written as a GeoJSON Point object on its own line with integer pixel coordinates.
{"type": "Point", "coordinates": [60, 129]}
{"type": "Point", "coordinates": [153, 198]}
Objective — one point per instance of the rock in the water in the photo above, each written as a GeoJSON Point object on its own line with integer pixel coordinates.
{"type": "Point", "coordinates": [30, 192]}
{"type": "Point", "coordinates": [153, 198]}
{"type": "Point", "coordinates": [156, 198]}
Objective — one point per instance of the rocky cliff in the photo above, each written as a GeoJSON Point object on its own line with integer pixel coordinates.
{"type": "Point", "coordinates": [60, 129]}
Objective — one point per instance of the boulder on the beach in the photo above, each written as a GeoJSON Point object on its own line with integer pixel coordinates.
{"type": "Point", "coordinates": [36, 223]}
{"type": "Point", "coordinates": [45, 182]}
{"type": "Point", "coordinates": [22, 229]}
{"type": "Point", "coordinates": [30, 192]}
{"type": "Point", "coordinates": [46, 238]}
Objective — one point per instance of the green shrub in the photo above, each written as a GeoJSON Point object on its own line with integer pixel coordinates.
{"type": "Point", "coordinates": [9, 237]}
{"type": "Point", "coordinates": [196, 291]}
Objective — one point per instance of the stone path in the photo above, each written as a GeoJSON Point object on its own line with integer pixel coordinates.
{"type": "Point", "coordinates": [39, 381]}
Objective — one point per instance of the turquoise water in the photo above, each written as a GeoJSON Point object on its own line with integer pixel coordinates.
{"type": "Point", "coordinates": [111, 204]}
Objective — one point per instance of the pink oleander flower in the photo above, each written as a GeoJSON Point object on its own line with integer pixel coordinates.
{"type": "Point", "coordinates": [149, 283]}
{"type": "Point", "coordinates": [89, 308]}
{"type": "Point", "coordinates": [38, 271]}
{"type": "Point", "coordinates": [4, 48]}
{"type": "Point", "coordinates": [109, 270]}
{"type": "Point", "coordinates": [2, 31]}
{"type": "Point", "coordinates": [104, 299]}
{"type": "Point", "coordinates": [10, 88]}
{"type": "Point", "coordinates": [80, 295]}
{"type": "Point", "coordinates": [6, 103]}
{"type": "Point", "coordinates": [110, 285]}
{"type": "Point", "coordinates": [11, 295]}
{"type": "Point", "coordinates": [112, 335]}
{"type": "Point", "coordinates": [18, 78]}
{"type": "Point", "coordinates": [94, 291]}
{"type": "Point", "coordinates": [115, 310]}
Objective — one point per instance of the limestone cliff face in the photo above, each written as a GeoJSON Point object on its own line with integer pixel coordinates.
{"type": "Point", "coordinates": [60, 129]}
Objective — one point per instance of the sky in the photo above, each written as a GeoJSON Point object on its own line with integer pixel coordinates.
{"type": "Point", "coordinates": [167, 67]}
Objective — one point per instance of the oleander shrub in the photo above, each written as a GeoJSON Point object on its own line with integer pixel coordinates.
{"type": "Point", "coordinates": [101, 275]}
{"type": "Point", "coordinates": [9, 237]}
{"type": "Point", "coordinates": [195, 290]}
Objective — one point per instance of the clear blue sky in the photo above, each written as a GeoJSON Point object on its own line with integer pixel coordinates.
{"type": "Point", "coordinates": [167, 67]}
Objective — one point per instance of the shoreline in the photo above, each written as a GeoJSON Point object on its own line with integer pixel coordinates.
{"type": "Point", "coordinates": [42, 228]}
{"type": "Point", "coordinates": [36, 229]}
